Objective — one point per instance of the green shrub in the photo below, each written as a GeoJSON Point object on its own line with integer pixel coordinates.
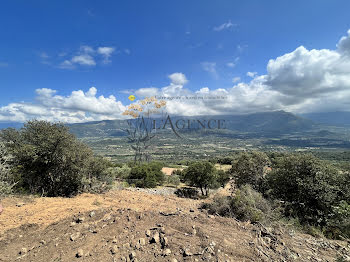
{"type": "Point", "coordinates": [173, 180]}
{"type": "Point", "coordinates": [121, 172]}
{"type": "Point", "coordinates": [246, 204]}
{"type": "Point", "coordinates": [249, 168]}
{"type": "Point", "coordinates": [308, 186]}
{"type": "Point", "coordinates": [50, 161]}
{"type": "Point", "coordinates": [147, 175]}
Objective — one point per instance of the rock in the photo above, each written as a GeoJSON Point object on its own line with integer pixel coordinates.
{"type": "Point", "coordinates": [148, 233]}
{"type": "Point", "coordinates": [80, 253]}
{"type": "Point", "coordinates": [142, 241]}
{"type": "Point", "coordinates": [155, 238]}
{"type": "Point", "coordinates": [114, 241]}
{"type": "Point", "coordinates": [164, 242]}
{"type": "Point", "coordinates": [194, 231]}
{"type": "Point", "coordinates": [114, 249]}
{"type": "Point", "coordinates": [187, 252]}
{"type": "Point", "coordinates": [75, 236]}
{"type": "Point", "coordinates": [20, 204]}
{"type": "Point", "coordinates": [126, 245]}
{"type": "Point", "coordinates": [132, 255]}
{"type": "Point", "coordinates": [174, 260]}
{"type": "Point", "coordinates": [80, 219]}
{"type": "Point", "coordinates": [191, 210]}
{"type": "Point", "coordinates": [43, 242]}
{"type": "Point", "coordinates": [23, 251]}
{"type": "Point", "coordinates": [92, 213]}
{"type": "Point", "coordinates": [167, 252]}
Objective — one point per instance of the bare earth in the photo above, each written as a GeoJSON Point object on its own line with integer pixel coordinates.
{"type": "Point", "coordinates": [61, 229]}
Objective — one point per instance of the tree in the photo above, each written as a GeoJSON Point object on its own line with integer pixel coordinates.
{"type": "Point", "coordinates": [249, 168]}
{"type": "Point", "coordinates": [147, 175]}
{"type": "Point", "coordinates": [201, 175]}
{"type": "Point", "coordinates": [309, 186]}
{"type": "Point", "coordinates": [50, 161]}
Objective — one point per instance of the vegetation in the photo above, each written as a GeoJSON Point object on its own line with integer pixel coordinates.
{"type": "Point", "coordinates": [50, 161]}
{"type": "Point", "coordinates": [146, 175]}
{"type": "Point", "coordinates": [246, 204]}
{"type": "Point", "coordinates": [201, 175]}
{"type": "Point", "coordinates": [249, 168]}
{"type": "Point", "coordinates": [5, 172]}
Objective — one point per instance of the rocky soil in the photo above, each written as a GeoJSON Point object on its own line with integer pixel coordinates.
{"type": "Point", "coordinates": [129, 225]}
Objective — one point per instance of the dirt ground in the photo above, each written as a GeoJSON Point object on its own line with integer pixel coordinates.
{"type": "Point", "coordinates": [124, 225]}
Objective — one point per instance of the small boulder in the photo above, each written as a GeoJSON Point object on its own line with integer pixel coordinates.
{"type": "Point", "coordinates": [80, 253]}
{"type": "Point", "coordinates": [114, 249]}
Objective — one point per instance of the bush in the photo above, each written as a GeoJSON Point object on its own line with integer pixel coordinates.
{"type": "Point", "coordinates": [246, 204]}
{"type": "Point", "coordinates": [201, 175]}
{"type": "Point", "coordinates": [147, 175]}
{"type": "Point", "coordinates": [308, 186]}
{"type": "Point", "coordinates": [173, 180]}
{"type": "Point", "coordinates": [121, 172]}
{"type": "Point", "coordinates": [249, 168]}
{"type": "Point", "coordinates": [6, 179]}
{"type": "Point", "coordinates": [48, 160]}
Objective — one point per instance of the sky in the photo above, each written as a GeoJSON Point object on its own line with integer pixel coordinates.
{"type": "Point", "coordinates": [78, 61]}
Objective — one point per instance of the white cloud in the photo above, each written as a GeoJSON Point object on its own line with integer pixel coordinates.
{"type": "Point", "coordinates": [210, 67]}
{"type": "Point", "coordinates": [84, 59]}
{"type": "Point", "coordinates": [224, 26]}
{"type": "Point", "coordinates": [106, 52]}
{"type": "Point", "coordinates": [300, 81]}
{"type": "Point", "coordinates": [231, 64]}
{"type": "Point", "coordinates": [88, 56]}
{"type": "Point", "coordinates": [252, 74]}
{"type": "Point", "coordinates": [79, 106]}
{"type": "Point", "coordinates": [178, 79]}
{"type": "Point", "coordinates": [236, 79]}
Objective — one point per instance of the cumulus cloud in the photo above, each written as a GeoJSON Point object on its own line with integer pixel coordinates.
{"type": "Point", "coordinates": [300, 81]}
{"type": "Point", "coordinates": [178, 79]}
{"type": "Point", "coordinates": [79, 106]}
{"type": "Point", "coordinates": [88, 56]}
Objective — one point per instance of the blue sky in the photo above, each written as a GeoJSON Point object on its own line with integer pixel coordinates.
{"type": "Point", "coordinates": [120, 47]}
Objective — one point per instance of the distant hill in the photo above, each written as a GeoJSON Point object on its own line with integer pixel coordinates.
{"type": "Point", "coordinates": [277, 122]}
{"type": "Point", "coordinates": [340, 118]}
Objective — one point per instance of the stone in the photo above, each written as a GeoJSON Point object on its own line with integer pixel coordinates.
{"type": "Point", "coordinates": [155, 238]}
{"type": "Point", "coordinates": [148, 233]}
{"type": "Point", "coordinates": [20, 204]}
{"type": "Point", "coordinates": [126, 245]}
{"type": "Point", "coordinates": [75, 236]}
{"type": "Point", "coordinates": [23, 251]}
{"type": "Point", "coordinates": [167, 252]}
{"type": "Point", "coordinates": [164, 242]}
{"type": "Point", "coordinates": [114, 249]}
{"type": "Point", "coordinates": [43, 242]}
{"type": "Point", "coordinates": [80, 219]}
{"type": "Point", "coordinates": [132, 255]}
{"type": "Point", "coordinates": [80, 253]}
{"type": "Point", "coordinates": [174, 260]}
{"type": "Point", "coordinates": [142, 241]}
{"type": "Point", "coordinates": [187, 252]}
{"type": "Point", "coordinates": [92, 213]}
